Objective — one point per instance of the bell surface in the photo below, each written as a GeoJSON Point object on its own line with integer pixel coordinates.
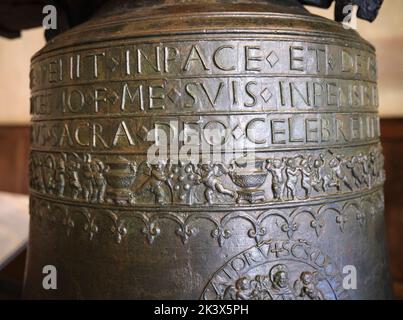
{"type": "Point", "coordinates": [282, 197]}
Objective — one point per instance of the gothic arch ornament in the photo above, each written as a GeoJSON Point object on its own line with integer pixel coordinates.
{"type": "Point", "coordinates": [287, 221]}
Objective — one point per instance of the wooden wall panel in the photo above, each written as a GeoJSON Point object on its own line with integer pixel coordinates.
{"type": "Point", "coordinates": [392, 141]}
{"type": "Point", "coordinates": [14, 151]}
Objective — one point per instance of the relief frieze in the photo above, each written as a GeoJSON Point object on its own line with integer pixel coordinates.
{"type": "Point", "coordinates": [129, 181]}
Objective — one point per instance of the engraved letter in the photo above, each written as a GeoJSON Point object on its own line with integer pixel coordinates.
{"type": "Point", "coordinates": [194, 56]}
{"type": "Point", "coordinates": [155, 66]}
{"type": "Point", "coordinates": [296, 59]}
{"type": "Point", "coordinates": [250, 94]}
{"type": "Point", "coordinates": [156, 93]}
{"type": "Point", "coordinates": [99, 98]}
{"type": "Point", "coordinates": [251, 130]}
{"type": "Point", "coordinates": [126, 92]}
{"type": "Point", "coordinates": [95, 56]}
{"type": "Point", "coordinates": [277, 131]}
{"type": "Point", "coordinates": [219, 64]}
{"type": "Point", "coordinates": [249, 57]}
{"type": "Point", "coordinates": [122, 132]}
{"type": "Point", "coordinates": [170, 54]}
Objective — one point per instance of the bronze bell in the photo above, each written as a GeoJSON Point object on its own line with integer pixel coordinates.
{"type": "Point", "coordinates": [290, 212]}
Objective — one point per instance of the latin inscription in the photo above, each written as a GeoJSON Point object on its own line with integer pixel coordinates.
{"type": "Point", "coordinates": [201, 95]}
{"type": "Point", "coordinates": [266, 130]}
{"type": "Point", "coordinates": [204, 58]}
{"type": "Point", "coordinates": [279, 93]}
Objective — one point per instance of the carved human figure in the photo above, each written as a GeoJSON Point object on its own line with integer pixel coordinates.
{"type": "Point", "coordinates": [38, 176]}
{"type": "Point", "coordinates": [306, 287]}
{"type": "Point", "coordinates": [210, 176]}
{"type": "Point", "coordinates": [318, 180]}
{"type": "Point", "coordinates": [280, 288]}
{"type": "Point", "coordinates": [338, 177]}
{"type": "Point", "coordinates": [374, 167]}
{"type": "Point", "coordinates": [99, 169]}
{"type": "Point", "coordinates": [261, 288]}
{"type": "Point", "coordinates": [50, 183]}
{"type": "Point", "coordinates": [276, 168]}
{"type": "Point", "coordinates": [357, 170]}
{"type": "Point", "coordinates": [73, 168]}
{"type": "Point", "coordinates": [240, 291]}
{"type": "Point", "coordinates": [364, 161]}
{"type": "Point", "coordinates": [292, 174]}
{"type": "Point", "coordinates": [307, 180]}
{"type": "Point", "coordinates": [87, 179]}
{"type": "Point", "coordinates": [157, 182]}
{"type": "Point", "coordinates": [60, 175]}
{"type": "Point", "coordinates": [243, 289]}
